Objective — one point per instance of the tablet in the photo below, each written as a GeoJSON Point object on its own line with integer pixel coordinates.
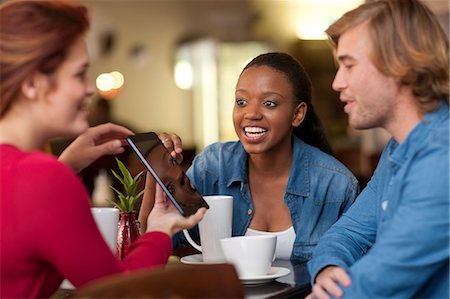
{"type": "Point", "coordinates": [167, 173]}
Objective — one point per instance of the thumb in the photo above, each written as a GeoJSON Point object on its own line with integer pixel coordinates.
{"type": "Point", "coordinates": [109, 148]}
{"type": "Point", "coordinates": [159, 194]}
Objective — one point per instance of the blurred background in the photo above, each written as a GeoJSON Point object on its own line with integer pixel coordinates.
{"type": "Point", "coordinates": [172, 65]}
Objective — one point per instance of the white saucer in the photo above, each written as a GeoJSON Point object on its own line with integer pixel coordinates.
{"type": "Point", "coordinates": [66, 284]}
{"type": "Point", "coordinates": [274, 272]}
{"type": "Point", "coordinates": [197, 259]}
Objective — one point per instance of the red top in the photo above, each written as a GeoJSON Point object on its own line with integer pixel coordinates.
{"type": "Point", "coordinates": [48, 233]}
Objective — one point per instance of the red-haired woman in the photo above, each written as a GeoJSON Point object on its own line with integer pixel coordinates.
{"type": "Point", "coordinates": [47, 230]}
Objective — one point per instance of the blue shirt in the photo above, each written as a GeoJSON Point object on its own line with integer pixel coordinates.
{"type": "Point", "coordinates": [394, 241]}
{"type": "Point", "coordinates": [318, 191]}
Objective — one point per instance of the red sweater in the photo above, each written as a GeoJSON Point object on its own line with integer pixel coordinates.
{"type": "Point", "coordinates": [48, 233]}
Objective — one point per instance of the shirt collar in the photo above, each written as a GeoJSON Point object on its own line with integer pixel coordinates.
{"type": "Point", "coordinates": [298, 183]}
{"type": "Point", "coordinates": [238, 165]}
{"type": "Point", "coordinates": [298, 172]}
{"type": "Point", "coordinates": [399, 153]}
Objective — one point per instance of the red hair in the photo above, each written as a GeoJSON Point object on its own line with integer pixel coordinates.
{"type": "Point", "coordinates": [35, 36]}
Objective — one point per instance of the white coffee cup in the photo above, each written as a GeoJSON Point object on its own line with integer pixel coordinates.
{"type": "Point", "coordinates": [107, 220]}
{"type": "Point", "coordinates": [215, 225]}
{"type": "Point", "coordinates": [251, 255]}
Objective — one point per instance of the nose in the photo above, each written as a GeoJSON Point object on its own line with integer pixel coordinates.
{"type": "Point", "coordinates": [90, 88]}
{"type": "Point", "coordinates": [339, 82]}
{"type": "Point", "coordinates": [252, 111]}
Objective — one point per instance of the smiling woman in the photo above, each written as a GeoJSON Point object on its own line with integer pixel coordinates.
{"type": "Point", "coordinates": [280, 172]}
{"type": "Point", "coordinates": [46, 221]}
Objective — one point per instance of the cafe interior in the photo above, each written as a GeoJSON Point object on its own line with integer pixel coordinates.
{"type": "Point", "coordinates": [172, 65]}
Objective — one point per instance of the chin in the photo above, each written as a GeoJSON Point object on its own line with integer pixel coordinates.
{"type": "Point", "coordinates": [254, 149]}
{"type": "Point", "coordinates": [78, 129]}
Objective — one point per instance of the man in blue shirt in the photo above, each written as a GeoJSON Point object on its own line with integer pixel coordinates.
{"type": "Point", "coordinates": [394, 240]}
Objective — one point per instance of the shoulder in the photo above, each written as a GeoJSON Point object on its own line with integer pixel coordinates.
{"type": "Point", "coordinates": [46, 174]}
{"type": "Point", "coordinates": [39, 180]}
{"type": "Point", "coordinates": [221, 152]}
{"type": "Point", "coordinates": [321, 173]}
{"type": "Point", "coordinates": [223, 148]}
{"type": "Point", "coordinates": [322, 162]}
{"type": "Point", "coordinates": [44, 165]}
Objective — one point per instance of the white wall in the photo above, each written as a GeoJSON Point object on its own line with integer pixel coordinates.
{"type": "Point", "coordinates": [150, 99]}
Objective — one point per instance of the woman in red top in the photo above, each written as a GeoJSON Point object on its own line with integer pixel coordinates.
{"type": "Point", "coordinates": [47, 230]}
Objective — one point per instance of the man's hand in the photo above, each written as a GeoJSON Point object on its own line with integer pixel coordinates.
{"type": "Point", "coordinates": [105, 139]}
{"type": "Point", "coordinates": [327, 282]}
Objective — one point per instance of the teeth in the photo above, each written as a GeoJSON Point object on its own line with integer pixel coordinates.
{"type": "Point", "coordinates": [254, 130]}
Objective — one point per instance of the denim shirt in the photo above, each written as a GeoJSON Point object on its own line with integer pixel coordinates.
{"type": "Point", "coordinates": [394, 241]}
{"type": "Point", "coordinates": [318, 191]}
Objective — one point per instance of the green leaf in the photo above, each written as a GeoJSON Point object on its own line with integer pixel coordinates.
{"type": "Point", "coordinates": [125, 173]}
{"type": "Point", "coordinates": [119, 178]}
{"type": "Point", "coordinates": [127, 198]}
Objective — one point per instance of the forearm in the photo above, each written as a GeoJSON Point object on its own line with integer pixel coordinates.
{"type": "Point", "coordinates": [334, 249]}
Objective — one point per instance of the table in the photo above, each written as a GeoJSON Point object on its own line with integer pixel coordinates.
{"type": "Point", "coordinates": [295, 285]}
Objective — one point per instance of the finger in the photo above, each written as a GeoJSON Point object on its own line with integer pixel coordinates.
{"type": "Point", "coordinates": [159, 194]}
{"type": "Point", "coordinates": [166, 141]}
{"type": "Point", "coordinates": [107, 132]}
{"type": "Point", "coordinates": [319, 293]}
{"type": "Point", "coordinates": [310, 296]}
{"type": "Point", "coordinates": [196, 218]}
{"type": "Point", "coordinates": [113, 147]}
{"type": "Point", "coordinates": [332, 287]}
{"type": "Point", "coordinates": [110, 128]}
{"type": "Point", "coordinates": [178, 157]}
{"type": "Point", "coordinates": [176, 148]}
{"type": "Point", "coordinates": [341, 276]}
{"type": "Point", "coordinates": [177, 143]}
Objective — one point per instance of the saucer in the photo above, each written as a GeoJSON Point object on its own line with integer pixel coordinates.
{"type": "Point", "coordinates": [274, 272]}
{"type": "Point", "coordinates": [197, 259]}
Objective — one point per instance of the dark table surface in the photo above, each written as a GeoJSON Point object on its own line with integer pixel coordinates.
{"type": "Point", "coordinates": [294, 285]}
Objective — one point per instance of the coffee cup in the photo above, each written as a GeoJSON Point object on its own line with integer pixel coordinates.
{"type": "Point", "coordinates": [215, 225]}
{"type": "Point", "coordinates": [251, 255]}
{"type": "Point", "coordinates": [107, 220]}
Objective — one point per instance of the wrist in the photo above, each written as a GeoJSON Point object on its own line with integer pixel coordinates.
{"type": "Point", "coordinates": [159, 228]}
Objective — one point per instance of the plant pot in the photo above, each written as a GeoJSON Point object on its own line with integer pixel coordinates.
{"type": "Point", "coordinates": [127, 234]}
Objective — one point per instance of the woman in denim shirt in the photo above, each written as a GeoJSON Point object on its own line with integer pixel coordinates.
{"type": "Point", "coordinates": [280, 173]}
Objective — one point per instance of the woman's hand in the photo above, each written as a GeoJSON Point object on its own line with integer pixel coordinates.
{"type": "Point", "coordinates": [173, 144]}
{"type": "Point", "coordinates": [166, 218]}
{"type": "Point", "coordinates": [105, 139]}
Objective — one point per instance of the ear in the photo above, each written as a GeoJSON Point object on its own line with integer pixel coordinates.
{"type": "Point", "coordinates": [30, 86]}
{"type": "Point", "coordinates": [299, 114]}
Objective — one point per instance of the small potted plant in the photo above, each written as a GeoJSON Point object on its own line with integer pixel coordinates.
{"type": "Point", "coordinates": [128, 226]}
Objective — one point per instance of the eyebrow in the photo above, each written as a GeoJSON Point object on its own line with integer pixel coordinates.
{"type": "Point", "coordinates": [267, 93]}
{"type": "Point", "coordinates": [345, 57]}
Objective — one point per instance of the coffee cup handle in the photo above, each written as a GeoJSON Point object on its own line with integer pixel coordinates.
{"type": "Point", "coordinates": [193, 244]}
{"type": "Point", "coordinates": [275, 251]}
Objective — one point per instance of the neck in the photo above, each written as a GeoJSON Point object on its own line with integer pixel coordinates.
{"type": "Point", "coordinates": [271, 164]}
{"type": "Point", "coordinates": [406, 116]}
{"type": "Point", "coordinates": [21, 131]}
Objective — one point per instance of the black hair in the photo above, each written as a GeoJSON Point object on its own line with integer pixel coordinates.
{"type": "Point", "coordinates": [311, 129]}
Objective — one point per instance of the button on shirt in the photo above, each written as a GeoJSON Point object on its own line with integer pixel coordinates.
{"type": "Point", "coordinates": [318, 191]}
{"type": "Point", "coordinates": [402, 216]}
